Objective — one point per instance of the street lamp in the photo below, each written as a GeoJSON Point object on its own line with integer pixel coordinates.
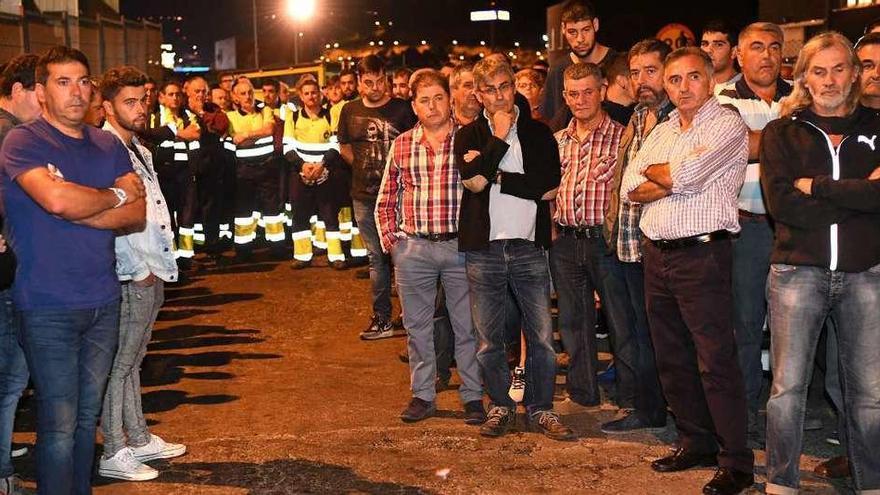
{"type": "Point", "coordinates": [299, 11]}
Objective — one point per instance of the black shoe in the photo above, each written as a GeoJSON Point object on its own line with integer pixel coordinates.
{"type": "Point", "coordinates": [548, 423]}
{"type": "Point", "coordinates": [418, 410]}
{"type": "Point", "coordinates": [681, 460]}
{"type": "Point", "coordinates": [403, 356]}
{"type": "Point", "coordinates": [441, 384]}
{"type": "Point", "coordinates": [300, 264]}
{"type": "Point", "coordinates": [632, 422]}
{"type": "Point", "coordinates": [359, 261]}
{"type": "Point", "coordinates": [379, 328]}
{"type": "Point", "coordinates": [397, 322]}
{"type": "Point", "coordinates": [338, 265]}
{"type": "Point", "coordinates": [729, 481]}
{"type": "Point", "coordinates": [498, 421]}
{"type": "Point", "coordinates": [474, 413]}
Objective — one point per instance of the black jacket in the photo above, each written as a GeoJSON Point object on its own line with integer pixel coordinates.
{"type": "Point", "coordinates": [542, 173]}
{"type": "Point", "coordinates": [797, 147]}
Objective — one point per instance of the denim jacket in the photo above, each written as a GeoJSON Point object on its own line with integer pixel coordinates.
{"type": "Point", "coordinates": [152, 249]}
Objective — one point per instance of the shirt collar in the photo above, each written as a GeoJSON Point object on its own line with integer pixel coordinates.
{"type": "Point", "coordinates": [603, 128]}
{"type": "Point", "coordinates": [705, 111]}
{"type": "Point", "coordinates": [11, 116]}
{"type": "Point", "coordinates": [783, 89]}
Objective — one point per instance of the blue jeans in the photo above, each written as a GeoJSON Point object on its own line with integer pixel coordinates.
{"type": "Point", "coordinates": [69, 354]}
{"type": "Point", "coordinates": [579, 266]}
{"type": "Point", "coordinates": [380, 267]}
{"type": "Point", "coordinates": [801, 299]}
{"type": "Point", "coordinates": [638, 382]}
{"type": "Point", "coordinates": [418, 264]}
{"type": "Point", "coordinates": [521, 266]}
{"type": "Point", "coordinates": [751, 262]}
{"type": "Point", "coordinates": [13, 378]}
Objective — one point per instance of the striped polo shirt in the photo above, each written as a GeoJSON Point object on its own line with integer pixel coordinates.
{"type": "Point", "coordinates": [756, 113]}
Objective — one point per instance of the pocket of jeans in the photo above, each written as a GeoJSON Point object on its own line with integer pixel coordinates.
{"type": "Point", "coordinates": [780, 268]}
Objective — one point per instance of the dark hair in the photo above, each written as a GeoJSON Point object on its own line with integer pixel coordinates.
{"type": "Point", "coordinates": [871, 25]}
{"type": "Point", "coordinates": [371, 64]}
{"type": "Point", "coordinates": [169, 82]}
{"type": "Point", "coordinates": [720, 26]}
{"type": "Point", "coordinates": [690, 51]}
{"type": "Point", "coordinates": [215, 86]}
{"type": "Point", "coordinates": [578, 10]}
{"type": "Point", "coordinates": [404, 72]}
{"type": "Point", "coordinates": [347, 72]}
{"type": "Point", "coordinates": [58, 54]}
{"type": "Point", "coordinates": [866, 40]}
{"type": "Point", "coordinates": [191, 79]}
{"type": "Point", "coordinates": [581, 71]}
{"type": "Point", "coordinates": [272, 82]}
{"type": "Point", "coordinates": [120, 77]}
{"type": "Point", "coordinates": [649, 45]}
{"type": "Point", "coordinates": [618, 66]}
{"type": "Point", "coordinates": [306, 80]}
{"type": "Point", "coordinates": [428, 77]}
{"type": "Point", "coordinates": [18, 70]}
{"type": "Point", "coordinates": [150, 80]}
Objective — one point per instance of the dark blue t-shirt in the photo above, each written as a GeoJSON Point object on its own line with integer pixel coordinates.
{"type": "Point", "coordinates": [61, 265]}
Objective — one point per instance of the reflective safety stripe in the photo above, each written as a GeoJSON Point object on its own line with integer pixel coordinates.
{"type": "Point", "coordinates": [255, 151]}
{"type": "Point", "coordinates": [274, 226]}
{"type": "Point", "coordinates": [179, 145]}
{"type": "Point", "coordinates": [245, 230]}
{"type": "Point", "coordinates": [181, 157]}
{"type": "Point", "coordinates": [345, 223]}
{"type": "Point", "coordinates": [229, 145]}
{"type": "Point", "coordinates": [358, 248]}
{"type": "Point", "coordinates": [194, 145]}
{"type": "Point", "coordinates": [320, 237]}
{"type": "Point", "coordinates": [199, 235]}
{"type": "Point", "coordinates": [185, 242]}
{"type": "Point", "coordinates": [224, 231]}
{"type": "Point", "coordinates": [302, 245]}
{"type": "Point", "coordinates": [334, 247]}
{"type": "Point", "coordinates": [166, 144]}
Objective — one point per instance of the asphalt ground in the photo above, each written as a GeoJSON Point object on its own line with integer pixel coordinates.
{"type": "Point", "coordinates": [259, 370]}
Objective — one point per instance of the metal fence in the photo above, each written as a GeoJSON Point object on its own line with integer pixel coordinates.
{"type": "Point", "coordinates": [107, 42]}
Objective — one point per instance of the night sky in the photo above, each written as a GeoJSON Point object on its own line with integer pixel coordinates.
{"type": "Point", "coordinates": [351, 22]}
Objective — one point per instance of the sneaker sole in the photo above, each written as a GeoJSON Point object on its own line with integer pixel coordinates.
{"type": "Point", "coordinates": [165, 454]}
{"type": "Point", "coordinates": [377, 336]}
{"type": "Point", "coordinates": [122, 475]}
{"type": "Point", "coordinates": [411, 419]}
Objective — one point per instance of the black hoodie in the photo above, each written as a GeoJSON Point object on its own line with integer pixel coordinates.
{"type": "Point", "coordinates": [837, 226]}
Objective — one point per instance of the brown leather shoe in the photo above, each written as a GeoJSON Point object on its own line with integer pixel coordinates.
{"type": "Point", "coordinates": [834, 468]}
{"type": "Point", "coordinates": [681, 460]}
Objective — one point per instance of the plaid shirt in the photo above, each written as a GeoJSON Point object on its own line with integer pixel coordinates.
{"type": "Point", "coordinates": [421, 189]}
{"type": "Point", "coordinates": [629, 236]}
{"type": "Point", "coordinates": [707, 163]}
{"type": "Point", "coordinates": [587, 170]}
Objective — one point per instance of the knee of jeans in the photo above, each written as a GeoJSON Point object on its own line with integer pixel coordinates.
{"type": "Point", "coordinates": [57, 418]}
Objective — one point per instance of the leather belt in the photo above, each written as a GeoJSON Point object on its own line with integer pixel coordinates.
{"type": "Point", "coordinates": [692, 240]}
{"type": "Point", "coordinates": [755, 216]}
{"type": "Point", "coordinates": [438, 237]}
{"type": "Point", "coordinates": [591, 232]}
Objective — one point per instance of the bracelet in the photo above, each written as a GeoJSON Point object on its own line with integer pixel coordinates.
{"type": "Point", "coordinates": [120, 194]}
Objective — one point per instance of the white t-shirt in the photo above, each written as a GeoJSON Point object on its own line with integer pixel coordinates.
{"type": "Point", "coordinates": [511, 217]}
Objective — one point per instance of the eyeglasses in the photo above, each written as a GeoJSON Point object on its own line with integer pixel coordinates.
{"type": "Point", "coordinates": [495, 91]}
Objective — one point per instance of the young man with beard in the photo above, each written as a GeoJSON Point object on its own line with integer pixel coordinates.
{"type": "Point", "coordinates": [62, 179]}
{"type": "Point", "coordinates": [417, 218]}
{"type": "Point", "coordinates": [579, 26]}
{"type": "Point", "coordinates": [719, 41]}
{"type": "Point", "coordinates": [366, 129]}
{"type": "Point", "coordinates": [822, 185]}
{"type": "Point", "coordinates": [400, 84]}
{"type": "Point", "coordinates": [144, 262]}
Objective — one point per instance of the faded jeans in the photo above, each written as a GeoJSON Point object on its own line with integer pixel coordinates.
{"type": "Point", "coordinates": [380, 266]}
{"type": "Point", "coordinates": [69, 354]}
{"type": "Point", "coordinates": [13, 378]}
{"type": "Point", "coordinates": [522, 267]}
{"type": "Point", "coordinates": [418, 264]}
{"type": "Point", "coordinates": [801, 299]}
{"type": "Point", "coordinates": [122, 421]}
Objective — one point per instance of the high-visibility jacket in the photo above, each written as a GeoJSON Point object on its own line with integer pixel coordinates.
{"type": "Point", "coordinates": [240, 122]}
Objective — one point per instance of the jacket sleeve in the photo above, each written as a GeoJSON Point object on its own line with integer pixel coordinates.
{"type": "Point", "coordinates": [854, 194]}
{"type": "Point", "coordinates": [486, 164]}
{"type": "Point", "coordinates": [786, 203]}
{"type": "Point", "coordinates": [156, 135]}
{"type": "Point", "coordinates": [543, 171]}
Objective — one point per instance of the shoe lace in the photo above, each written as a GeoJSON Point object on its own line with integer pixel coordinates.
{"type": "Point", "coordinates": [496, 414]}
{"type": "Point", "coordinates": [549, 419]}
{"type": "Point", "coordinates": [519, 381]}
{"type": "Point", "coordinates": [128, 461]}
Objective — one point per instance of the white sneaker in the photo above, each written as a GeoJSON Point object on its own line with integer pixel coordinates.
{"type": "Point", "coordinates": [124, 466]}
{"type": "Point", "coordinates": [11, 485]}
{"type": "Point", "coordinates": [158, 449]}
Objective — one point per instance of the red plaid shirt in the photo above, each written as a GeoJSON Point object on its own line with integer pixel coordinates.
{"type": "Point", "coordinates": [587, 170]}
{"type": "Point", "coordinates": [421, 189]}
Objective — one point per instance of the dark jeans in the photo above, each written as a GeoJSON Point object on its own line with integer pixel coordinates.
{"type": "Point", "coordinates": [801, 299]}
{"type": "Point", "coordinates": [309, 200]}
{"type": "Point", "coordinates": [578, 267]}
{"type": "Point", "coordinates": [69, 354]}
{"type": "Point", "coordinates": [521, 266]}
{"type": "Point", "coordinates": [751, 262]}
{"type": "Point", "coordinates": [380, 264]}
{"type": "Point", "coordinates": [689, 303]}
{"type": "Point", "coordinates": [13, 378]}
{"type": "Point", "coordinates": [637, 378]}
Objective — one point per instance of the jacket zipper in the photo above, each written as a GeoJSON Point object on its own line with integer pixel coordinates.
{"type": "Point", "coordinates": [835, 175]}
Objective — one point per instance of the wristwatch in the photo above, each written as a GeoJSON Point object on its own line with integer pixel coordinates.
{"type": "Point", "coordinates": [121, 194]}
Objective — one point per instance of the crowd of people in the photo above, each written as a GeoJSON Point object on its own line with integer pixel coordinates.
{"type": "Point", "coordinates": [696, 194]}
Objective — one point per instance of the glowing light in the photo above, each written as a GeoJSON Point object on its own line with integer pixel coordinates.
{"type": "Point", "coordinates": [301, 10]}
